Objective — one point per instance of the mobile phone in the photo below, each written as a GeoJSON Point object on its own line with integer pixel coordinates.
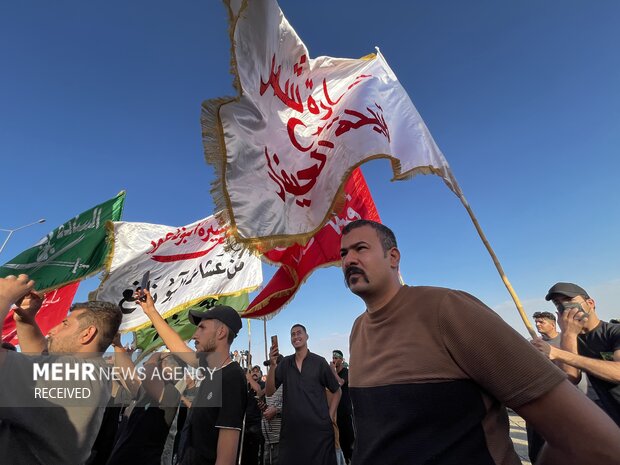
{"type": "Point", "coordinates": [274, 341]}
{"type": "Point", "coordinates": [569, 305]}
{"type": "Point", "coordinates": [262, 404]}
{"type": "Point", "coordinates": [144, 286]}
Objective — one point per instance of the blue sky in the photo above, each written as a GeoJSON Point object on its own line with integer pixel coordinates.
{"type": "Point", "coordinates": [523, 98]}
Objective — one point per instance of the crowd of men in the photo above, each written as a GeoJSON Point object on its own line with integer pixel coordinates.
{"type": "Point", "coordinates": [432, 372]}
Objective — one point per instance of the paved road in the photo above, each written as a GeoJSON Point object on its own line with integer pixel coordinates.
{"type": "Point", "coordinates": [519, 436]}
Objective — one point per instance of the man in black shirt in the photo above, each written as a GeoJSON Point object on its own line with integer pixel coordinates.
{"type": "Point", "coordinates": [344, 420]}
{"type": "Point", "coordinates": [212, 430]}
{"type": "Point", "coordinates": [143, 438]}
{"type": "Point", "coordinates": [588, 344]}
{"type": "Point", "coordinates": [307, 434]}
{"type": "Point", "coordinates": [253, 435]}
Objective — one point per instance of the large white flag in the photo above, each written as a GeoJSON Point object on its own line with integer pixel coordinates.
{"type": "Point", "coordinates": [299, 126]}
{"type": "Point", "coordinates": [186, 265]}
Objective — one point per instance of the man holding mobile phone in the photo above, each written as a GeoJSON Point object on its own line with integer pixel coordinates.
{"type": "Point", "coordinates": [588, 344]}
{"type": "Point", "coordinates": [306, 435]}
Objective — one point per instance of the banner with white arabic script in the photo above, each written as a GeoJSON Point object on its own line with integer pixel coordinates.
{"type": "Point", "coordinates": [297, 262]}
{"type": "Point", "coordinates": [299, 126]}
{"type": "Point", "coordinates": [186, 265]}
{"type": "Point", "coordinates": [73, 251]}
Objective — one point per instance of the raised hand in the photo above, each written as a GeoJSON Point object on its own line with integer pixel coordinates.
{"type": "Point", "coordinates": [12, 289]}
{"type": "Point", "coordinates": [544, 348]}
{"type": "Point", "coordinates": [572, 321]}
{"type": "Point", "coordinates": [27, 307]}
{"type": "Point", "coordinates": [273, 355]}
{"type": "Point", "coordinates": [145, 300]}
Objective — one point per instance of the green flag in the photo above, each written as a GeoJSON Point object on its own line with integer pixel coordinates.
{"type": "Point", "coordinates": [71, 252]}
{"type": "Point", "coordinates": [148, 339]}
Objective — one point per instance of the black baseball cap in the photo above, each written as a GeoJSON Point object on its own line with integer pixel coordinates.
{"type": "Point", "coordinates": [223, 313]}
{"type": "Point", "coordinates": [567, 289]}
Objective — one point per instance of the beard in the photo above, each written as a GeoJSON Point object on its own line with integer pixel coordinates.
{"type": "Point", "coordinates": [354, 270]}
{"type": "Point", "coordinates": [60, 346]}
{"type": "Point", "coordinates": [207, 346]}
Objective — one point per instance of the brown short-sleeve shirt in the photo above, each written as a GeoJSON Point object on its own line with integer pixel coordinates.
{"type": "Point", "coordinates": [429, 375]}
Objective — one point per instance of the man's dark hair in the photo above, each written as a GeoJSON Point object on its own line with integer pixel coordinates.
{"type": "Point", "coordinates": [386, 235]}
{"type": "Point", "coordinates": [231, 335]}
{"type": "Point", "coordinates": [547, 315]}
{"type": "Point", "coordinates": [299, 325]}
{"type": "Point", "coordinates": [104, 316]}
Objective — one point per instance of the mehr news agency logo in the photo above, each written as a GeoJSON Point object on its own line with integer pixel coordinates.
{"type": "Point", "coordinates": [86, 373]}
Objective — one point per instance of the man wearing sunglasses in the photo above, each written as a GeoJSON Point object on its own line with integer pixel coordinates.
{"type": "Point", "coordinates": [588, 344]}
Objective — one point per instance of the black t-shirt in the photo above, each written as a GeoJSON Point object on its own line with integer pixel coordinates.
{"type": "Point", "coordinates": [220, 403]}
{"type": "Point", "coordinates": [252, 412]}
{"type": "Point", "coordinates": [600, 343]}
{"type": "Point", "coordinates": [344, 407]}
{"type": "Point", "coordinates": [143, 438]}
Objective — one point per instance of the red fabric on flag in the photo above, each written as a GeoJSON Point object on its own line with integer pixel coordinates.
{"type": "Point", "coordinates": [53, 310]}
{"type": "Point", "coordinates": [297, 262]}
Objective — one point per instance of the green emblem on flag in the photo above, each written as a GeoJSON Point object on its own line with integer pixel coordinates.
{"type": "Point", "coordinates": [148, 339]}
{"type": "Point", "coordinates": [73, 251]}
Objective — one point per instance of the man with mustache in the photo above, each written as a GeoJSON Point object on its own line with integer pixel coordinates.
{"type": "Point", "coordinates": [432, 369]}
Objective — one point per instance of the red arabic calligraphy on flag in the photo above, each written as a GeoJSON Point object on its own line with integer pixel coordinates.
{"type": "Point", "coordinates": [298, 128]}
{"type": "Point", "coordinates": [297, 262]}
{"type": "Point", "coordinates": [55, 306]}
{"type": "Point", "coordinates": [186, 265]}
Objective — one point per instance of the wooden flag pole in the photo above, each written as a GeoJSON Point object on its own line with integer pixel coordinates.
{"type": "Point", "coordinates": [265, 334]}
{"type": "Point", "coordinates": [511, 291]}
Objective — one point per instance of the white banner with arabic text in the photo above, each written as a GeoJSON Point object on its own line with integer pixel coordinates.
{"type": "Point", "coordinates": [186, 265]}
{"type": "Point", "coordinates": [299, 127]}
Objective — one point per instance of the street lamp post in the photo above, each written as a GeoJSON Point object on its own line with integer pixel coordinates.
{"type": "Point", "coordinates": [11, 231]}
